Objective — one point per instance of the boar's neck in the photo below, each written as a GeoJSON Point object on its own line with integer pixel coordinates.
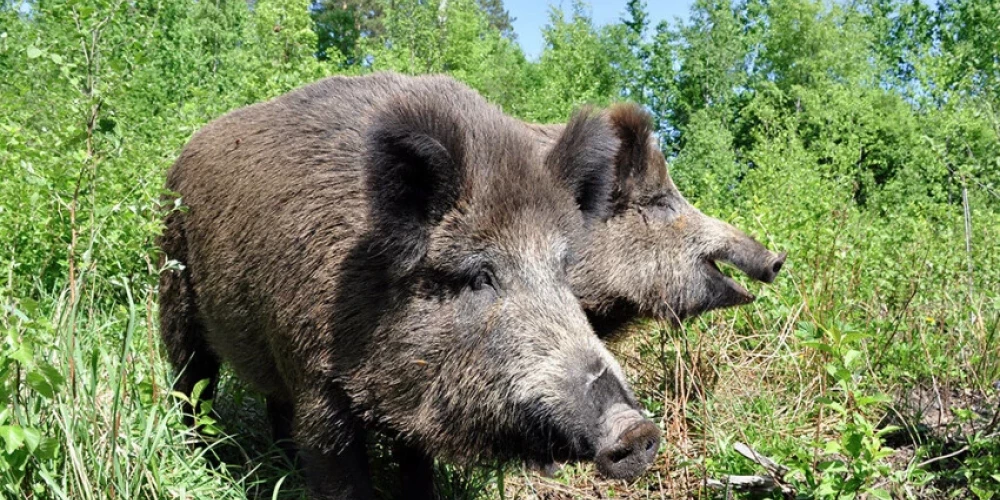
{"type": "Point", "coordinates": [608, 322]}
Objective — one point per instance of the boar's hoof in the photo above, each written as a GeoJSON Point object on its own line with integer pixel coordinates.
{"type": "Point", "coordinates": [544, 469]}
{"type": "Point", "coordinates": [631, 454]}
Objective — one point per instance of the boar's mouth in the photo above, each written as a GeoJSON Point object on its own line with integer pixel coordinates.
{"type": "Point", "coordinates": [724, 291]}
{"type": "Point", "coordinates": [756, 262]}
{"type": "Point", "coordinates": [718, 290]}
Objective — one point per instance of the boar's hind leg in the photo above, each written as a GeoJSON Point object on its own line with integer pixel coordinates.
{"type": "Point", "coordinates": [182, 333]}
{"type": "Point", "coordinates": [416, 472]}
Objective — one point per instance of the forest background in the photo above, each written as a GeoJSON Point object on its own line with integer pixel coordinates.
{"type": "Point", "coordinates": [862, 136]}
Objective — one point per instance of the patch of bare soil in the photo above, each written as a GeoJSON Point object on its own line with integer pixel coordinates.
{"type": "Point", "coordinates": [935, 427]}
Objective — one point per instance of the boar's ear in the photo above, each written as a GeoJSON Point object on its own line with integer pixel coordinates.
{"type": "Point", "coordinates": [582, 159]}
{"type": "Point", "coordinates": [414, 177]}
{"type": "Point", "coordinates": [634, 128]}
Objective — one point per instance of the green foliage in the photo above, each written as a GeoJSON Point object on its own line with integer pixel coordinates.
{"type": "Point", "coordinates": [21, 433]}
{"type": "Point", "coordinates": [852, 464]}
{"type": "Point", "coordinates": [861, 137]}
{"type": "Point", "coordinates": [581, 64]}
{"type": "Point", "coordinates": [453, 37]}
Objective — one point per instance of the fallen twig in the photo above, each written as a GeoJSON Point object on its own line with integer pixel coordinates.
{"type": "Point", "coordinates": [774, 480]}
{"type": "Point", "coordinates": [760, 483]}
{"type": "Point", "coordinates": [953, 454]}
{"type": "Point", "coordinates": [774, 468]}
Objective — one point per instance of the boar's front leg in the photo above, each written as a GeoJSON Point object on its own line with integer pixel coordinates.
{"type": "Point", "coordinates": [416, 471]}
{"type": "Point", "coordinates": [338, 475]}
{"type": "Point", "coordinates": [281, 414]}
{"type": "Point", "coordinates": [331, 448]}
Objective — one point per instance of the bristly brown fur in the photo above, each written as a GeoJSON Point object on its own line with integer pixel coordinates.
{"type": "Point", "coordinates": [388, 253]}
{"type": "Point", "coordinates": [634, 127]}
{"type": "Point", "coordinates": [653, 255]}
{"type": "Point", "coordinates": [587, 174]}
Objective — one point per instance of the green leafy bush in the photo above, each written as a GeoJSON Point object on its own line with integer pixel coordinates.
{"type": "Point", "coordinates": [863, 138]}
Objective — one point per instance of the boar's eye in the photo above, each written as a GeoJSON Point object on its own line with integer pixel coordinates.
{"type": "Point", "coordinates": [660, 206]}
{"type": "Point", "coordinates": [569, 259]}
{"type": "Point", "coordinates": [660, 201]}
{"type": "Point", "coordinates": [484, 279]}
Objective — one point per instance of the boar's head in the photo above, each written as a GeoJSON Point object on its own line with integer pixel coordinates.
{"type": "Point", "coordinates": [484, 351]}
{"type": "Point", "coordinates": [656, 255]}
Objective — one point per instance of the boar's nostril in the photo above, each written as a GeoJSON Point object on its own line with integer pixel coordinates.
{"type": "Point", "coordinates": [632, 452]}
{"type": "Point", "coordinates": [778, 264]}
{"type": "Point", "coordinates": [619, 455]}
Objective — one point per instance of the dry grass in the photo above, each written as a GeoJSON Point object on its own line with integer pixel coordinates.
{"type": "Point", "coordinates": [737, 376]}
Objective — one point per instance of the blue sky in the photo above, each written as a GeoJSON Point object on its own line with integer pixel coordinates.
{"type": "Point", "coordinates": [532, 15]}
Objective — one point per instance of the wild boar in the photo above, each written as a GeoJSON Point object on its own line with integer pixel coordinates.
{"type": "Point", "coordinates": [655, 255]}
{"type": "Point", "coordinates": [387, 254]}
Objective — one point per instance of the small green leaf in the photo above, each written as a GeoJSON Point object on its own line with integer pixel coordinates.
{"type": "Point", "coordinates": [198, 388]}
{"type": "Point", "coordinates": [23, 354]}
{"type": "Point", "coordinates": [53, 375]}
{"type": "Point", "coordinates": [837, 407]}
{"type": "Point", "coordinates": [854, 337]}
{"type": "Point", "coordinates": [56, 58]}
{"type": "Point", "coordinates": [887, 430]}
{"type": "Point", "coordinates": [34, 52]}
{"type": "Point", "coordinates": [40, 384]}
{"type": "Point", "coordinates": [29, 306]}
{"type": "Point", "coordinates": [852, 445]}
{"type": "Point", "coordinates": [47, 449]}
{"type": "Point", "coordinates": [880, 494]}
{"type": "Point", "coordinates": [819, 345]}
{"type": "Point", "coordinates": [831, 466]}
{"type": "Point", "coordinates": [869, 400]}
{"type": "Point", "coordinates": [851, 356]}
{"type": "Point", "coordinates": [32, 437]}
{"type": "Point", "coordinates": [181, 396]}
{"type": "Point", "coordinates": [18, 314]}
{"type": "Point", "coordinates": [838, 372]}
{"type": "Point", "coordinates": [12, 437]}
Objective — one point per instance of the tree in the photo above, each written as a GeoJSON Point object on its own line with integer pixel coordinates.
{"type": "Point", "coordinates": [454, 37]}
{"type": "Point", "coordinates": [580, 64]}
{"type": "Point", "coordinates": [498, 17]}
{"type": "Point", "coordinates": [342, 24]}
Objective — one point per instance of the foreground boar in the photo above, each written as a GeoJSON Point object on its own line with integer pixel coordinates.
{"type": "Point", "coordinates": [655, 256]}
{"type": "Point", "coordinates": [385, 253]}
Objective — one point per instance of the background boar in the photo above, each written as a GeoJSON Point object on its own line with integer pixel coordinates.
{"type": "Point", "coordinates": [655, 255]}
{"type": "Point", "coordinates": [384, 253]}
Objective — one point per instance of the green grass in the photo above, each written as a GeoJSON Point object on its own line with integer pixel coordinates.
{"type": "Point", "coordinates": [870, 367]}
{"type": "Point", "coordinates": [808, 375]}
{"type": "Point", "coordinates": [91, 394]}
{"type": "Point", "coordinates": [92, 416]}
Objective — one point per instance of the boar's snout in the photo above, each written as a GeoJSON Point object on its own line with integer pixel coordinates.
{"type": "Point", "coordinates": [600, 418]}
{"type": "Point", "coordinates": [753, 259]}
{"type": "Point", "coordinates": [629, 447]}
{"type": "Point", "coordinates": [725, 243]}
{"type": "Point", "coordinates": [744, 252]}
{"type": "Point", "coordinates": [774, 268]}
